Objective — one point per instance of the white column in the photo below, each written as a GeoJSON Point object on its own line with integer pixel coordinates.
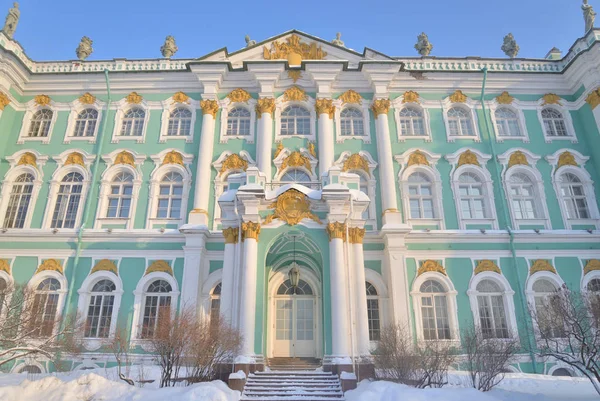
{"type": "Point", "coordinates": [386, 162]}
{"type": "Point", "coordinates": [340, 325]}
{"type": "Point", "coordinates": [248, 287]}
{"type": "Point", "coordinates": [264, 110]}
{"type": "Point", "coordinates": [360, 295]}
{"type": "Point", "coordinates": [193, 274]}
{"type": "Point", "coordinates": [227, 284]}
{"type": "Point", "coordinates": [325, 110]}
{"type": "Point", "coordinates": [394, 273]}
{"type": "Point", "coordinates": [199, 214]}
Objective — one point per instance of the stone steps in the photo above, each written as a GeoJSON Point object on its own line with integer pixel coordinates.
{"type": "Point", "coordinates": [288, 385]}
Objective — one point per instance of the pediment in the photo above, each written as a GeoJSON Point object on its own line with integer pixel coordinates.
{"type": "Point", "coordinates": [294, 46]}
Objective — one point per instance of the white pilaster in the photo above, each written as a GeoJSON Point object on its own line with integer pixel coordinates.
{"type": "Point", "coordinates": [227, 284]}
{"type": "Point", "coordinates": [360, 295]}
{"type": "Point", "coordinates": [265, 136]}
{"type": "Point", "coordinates": [394, 273]}
{"type": "Point", "coordinates": [325, 135]}
{"type": "Point", "coordinates": [194, 269]}
{"type": "Point", "coordinates": [340, 325]}
{"type": "Point", "coordinates": [248, 287]}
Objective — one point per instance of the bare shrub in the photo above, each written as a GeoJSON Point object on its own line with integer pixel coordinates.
{"type": "Point", "coordinates": [120, 348]}
{"type": "Point", "coordinates": [26, 329]}
{"type": "Point", "coordinates": [567, 329]}
{"type": "Point", "coordinates": [487, 358]}
{"type": "Point", "coordinates": [399, 359]}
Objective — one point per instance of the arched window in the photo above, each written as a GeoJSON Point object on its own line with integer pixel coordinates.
{"type": "Point", "coordinates": [574, 197]}
{"type": "Point", "coordinates": [157, 307]}
{"type": "Point", "coordinates": [100, 309]}
{"type": "Point", "coordinates": [472, 197]}
{"type": "Point", "coordinates": [554, 123]}
{"type": "Point", "coordinates": [295, 120]}
{"type": "Point", "coordinates": [30, 369]}
{"type": "Point", "coordinates": [373, 312]}
{"type": "Point", "coordinates": [180, 122]}
{"type": "Point", "coordinates": [411, 122]}
{"type": "Point", "coordinates": [524, 197]}
{"type": "Point", "coordinates": [544, 291]}
{"type": "Point", "coordinates": [286, 288]}
{"type": "Point", "coordinates": [40, 123]}
{"type": "Point", "coordinates": [562, 372]}
{"type": "Point", "coordinates": [119, 200]}
{"type": "Point", "coordinates": [295, 175]}
{"type": "Point", "coordinates": [67, 201]}
{"type": "Point", "coordinates": [45, 307]}
{"type": "Point", "coordinates": [18, 203]}
{"type": "Point", "coordinates": [594, 286]}
{"type": "Point", "coordinates": [238, 122]}
{"type": "Point", "coordinates": [85, 124]}
{"type": "Point", "coordinates": [434, 311]}
{"type": "Point", "coordinates": [459, 122]}
{"type": "Point", "coordinates": [492, 312]}
{"type": "Point", "coordinates": [507, 123]}
{"type": "Point", "coordinates": [351, 122]}
{"type": "Point", "coordinates": [133, 122]}
{"type": "Point", "coordinates": [420, 194]}
{"type": "Point", "coordinates": [215, 304]}
{"type": "Point", "coordinates": [593, 299]}
{"type": "Point", "coordinates": [170, 196]}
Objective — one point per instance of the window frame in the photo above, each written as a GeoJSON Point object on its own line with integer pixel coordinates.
{"type": "Point", "coordinates": [6, 192]}
{"type": "Point", "coordinates": [530, 293]}
{"type": "Point", "coordinates": [76, 108]}
{"type": "Point", "coordinates": [226, 106]}
{"type": "Point", "coordinates": [281, 104]}
{"type": "Point", "coordinates": [169, 106]}
{"type": "Point", "coordinates": [398, 107]}
{"type": "Point", "coordinates": [31, 109]}
{"type": "Point", "coordinates": [515, 107]}
{"type": "Point", "coordinates": [105, 186]}
{"type": "Point", "coordinates": [122, 108]}
{"type": "Point", "coordinates": [363, 107]}
{"type": "Point", "coordinates": [37, 279]}
{"type": "Point", "coordinates": [571, 134]}
{"type": "Point", "coordinates": [436, 188]}
{"type": "Point", "coordinates": [55, 184]}
{"type": "Point", "coordinates": [539, 196]}
{"type": "Point", "coordinates": [468, 106]}
{"type": "Point", "coordinates": [278, 161]}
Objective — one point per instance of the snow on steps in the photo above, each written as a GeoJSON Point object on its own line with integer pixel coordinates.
{"type": "Point", "coordinates": [293, 386]}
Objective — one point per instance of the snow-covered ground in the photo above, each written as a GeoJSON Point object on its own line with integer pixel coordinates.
{"type": "Point", "coordinates": [103, 385]}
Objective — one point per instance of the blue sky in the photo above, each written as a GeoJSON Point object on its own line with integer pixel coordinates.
{"type": "Point", "coordinates": [51, 29]}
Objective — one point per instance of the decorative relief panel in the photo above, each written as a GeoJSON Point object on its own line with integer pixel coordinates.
{"type": "Point", "coordinates": [159, 266]}
{"type": "Point", "coordinates": [431, 266]}
{"type": "Point", "coordinates": [292, 206]}
{"type": "Point", "coordinates": [541, 265]}
{"type": "Point", "coordinates": [487, 265]}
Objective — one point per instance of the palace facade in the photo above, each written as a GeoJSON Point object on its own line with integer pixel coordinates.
{"type": "Point", "coordinates": [307, 193]}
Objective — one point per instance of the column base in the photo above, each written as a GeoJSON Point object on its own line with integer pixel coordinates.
{"type": "Point", "coordinates": [363, 367]}
{"type": "Point", "coordinates": [224, 370]}
{"type": "Point", "coordinates": [198, 217]}
{"type": "Point", "coordinates": [392, 217]}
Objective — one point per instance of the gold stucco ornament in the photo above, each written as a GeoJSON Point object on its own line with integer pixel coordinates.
{"type": "Point", "coordinates": [133, 98]}
{"type": "Point", "coordinates": [233, 162]}
{"type": "Point", "coordinates": [487, 265]}
{"type": "Point", "coordinates": [551, 98]}
{"type": "Point", "coordinates": [356, 162]}
{"type": "Point", "coordinates": [292, 206]}
{"type": "Point", "coordinates": [50, 265]}
{"type": "Point", "coordinates": [311, 149]}
{"type": "Point", "coordinates": [42, 100]}
{"type": "Point", "coordinates": [325, 106]}
{"type": "Point", "coordinates": [458, 97]}
{"type": "Point", "coordinates": [294, 75]}
{"type": "Point", "coordinates": [541, 265]}
{"type": "Point", "coordinates": [417, 158]}
{"type": "Point", "coordinates": [294, 94]}
{"type": "Point", "coordinates": [27, 158]}
{"type": "Point", "coordinates": [336, 229]}
{"type": "Point", "coordinates": [293, 50]}
{"type": "Point", "coordinates": [209, 107]}
{"type": "Point", "coordinates": [4, 101]}
{"type": "Point", "coordinates": [566, 159]}
{"type": "Point", "coordinates": [468, 157]}
{"type": "Point", "coordinates": [75, 158]}
{"type": "Point", "coordinates": [296, 159]}
{"type": "Point", "coordinates": [105, 265]}
{"type": "Point", "coordinates": [181, 97]}
{"type": "Point", "coordinates": [431, 266]}
{"type": "Point", "coordinates": [265, 105]}
{"type": "Point", "coordinates": [504, 98]}
{"type": "Point", "coordinates": [591, 265]}
{"type": "Point", "coordinates": [125, 157]}
{"type": "Point", "coordinates": [593, 99]}
{"type": "Point", "coordinates": [231, 235]}
{"type": "Point", "coordinates": [239, 96]}
{"type": "Point", "coordinates": [356, 235]}
{"type": "Point", "coordinates": [278, 150]}
{"type": "Point", "coordinates": [517, 158]}
{"type": "Point", "coordinates": [87, 98]}
{"type": "Point", "coordinates": [410, 97]}
{"type": "Point", "coordinates": [250, 229]}
{"type": "Point", "coordinates": [380, 106]}
{"type": "Point", "coordinates": [159, 266]}
{"type": "Point", "coordinates": [173, 157]}
{"type": "Point", "coordinates": [4, 266]}
{"type": "Point", "coordinates": [351, 96]}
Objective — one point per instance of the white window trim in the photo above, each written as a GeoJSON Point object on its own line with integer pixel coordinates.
{"type": "Point", "coordinates": [309, 104]}
{"type": "Point", "coordinates": [515, 107]}
{"type": "Point", "coordinates": [105, 184]}
{"type": "Point", "coordinates": [487, 182]}
{"type": "Point", "coordinates": [507, 298]}
{"type": "Point", "coordinates": [278, 161]}
{"type": "Point", "coordinates": [398, 104]}
{"type": "Point", "coordinates": [585, 280]}
{"type": "Point", "coordinates": [539, 197]}
{"type": "Point", "coordinates": [452, 306]}
{"type": "Point", "coordinates": [586, 181]}
{"type": "Point", "coordinates": [571, 135]}
{"type": "Point", "coordinates": [561, 365]}
{"type": "Point", "coordinates": [221, 179]}
{"type": "Point", "coordinates": [377, 281]}
{"type": "Point", "coordinates": [8, 278]}
{"type": "Point", "coordinates": [62, 297]}
{"type": "Point", "coordinates": [30, 110]}
{"type": "Point", "coordinates": [470, 106]}
{"type": "Point", "coordinates": [364, 108]}
{"type": "Point", "coordinates": [85, 291]}
{"type": "Point", "coordinates": [530, 294]}
{"type": "Point", "coordinates": [55, 183]}
{"type": "Point", "coordinates": [138, 304]}
{"type": "Point", "coordinates": [122, 108]}
{"type": "Point", "coordinates": [76, 108]}
{"type": "Point", "coordinates": [155, 179]}
{"type": "Point", "coordinates": [169, 105]}
{"type": "Point", "coordinates": [226, 105]}
{"type": "Point", "coordinates": [210, 283]}
{"type": "Point", "coordinates": [27, 362]}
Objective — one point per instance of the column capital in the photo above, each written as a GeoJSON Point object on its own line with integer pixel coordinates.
{"type": "Point", "coordinates": [231, 235]}
{"type": "Point", "coordinates": [209, 107]}
{"type": "Point", "coordinates": [593, 99]}
{"type": "Point", "coordinates": [380, 106]}
{"type": "Point", "coordinates": [325, 106]}
{"type": "Point", "coordinates": [250, 229]}
{"type": "Point", "coordinates": [356, 235]}
{"type": "Point", "coordinates": [336, 230]}
{"type": "Point", "coordinates": [265, 105]}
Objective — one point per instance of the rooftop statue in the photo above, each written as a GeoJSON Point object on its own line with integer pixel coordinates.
{"type": "Point", "coordinates": [12, 19]}
{"type": "Point", "coordinates": [589, 15]}
{"type": "Point", "coordinates": [169, 49]}
{"type": "Point", "coordinates": [249, 42]}
{"type": "Point", "coordinates": [338, 40]}
{"type": "Point", "coordinates": [84, 49]}
{"type": "Point", "coordinates": [423, 45]}
{"type": "Point", "coordinates": [510, 46]}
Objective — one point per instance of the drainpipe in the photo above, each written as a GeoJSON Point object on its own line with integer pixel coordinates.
{"type": "Point", "coordinates": [87, 204]}
{"type": "Point", "coordinates": [507, 220]}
